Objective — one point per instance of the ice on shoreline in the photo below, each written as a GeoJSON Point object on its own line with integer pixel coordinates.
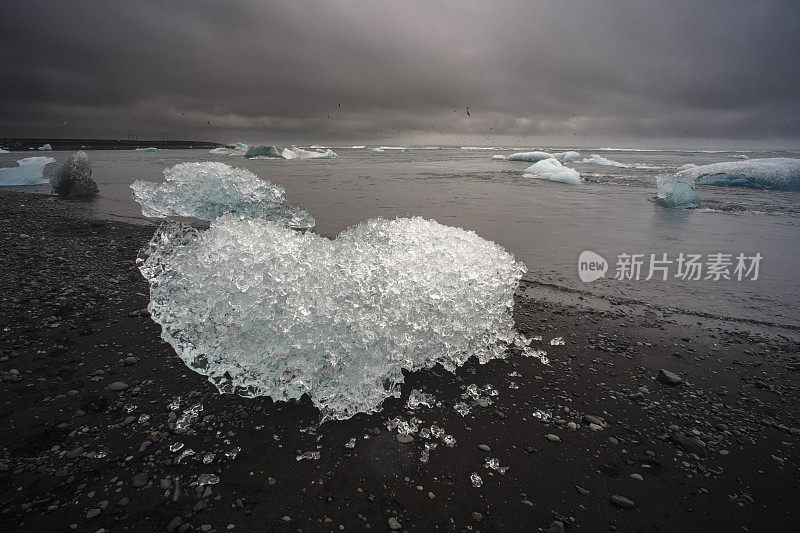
{"type": "Point", "coordinates": [552, 170]}
{"type": "Point", "coordinates": [265, 311]}
{"type": "Point", "coordinates": [209, 190]}
{"type": "Point", "coordinates": [29, 171]}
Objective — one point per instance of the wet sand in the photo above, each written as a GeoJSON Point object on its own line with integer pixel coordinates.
{"type": "Point", "coordinates": [716, 452]}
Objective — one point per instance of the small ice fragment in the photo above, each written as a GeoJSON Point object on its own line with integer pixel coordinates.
{"type": "Point", "coordinates": [449, 441]}
{"type": "Point", "coordinates": [208, 458]}
{"type": "Point", "coordinates": [351, 443]}
{"type": "Point", "coordinates": [461, 408]}
{"type": "Point", "coordinates": [312, 456]}
{"type": "Point", "coordinates": [513, 385]}
{"type": "Point", "coordinates": [557, 341]}
{"type": "Point", "coordinates": [144, 418]}
{"type": "Point", "coordinates": [186, 453]}
{"type": "Point", "coordinates": [232, 453]}
{"type": "Point", "coordinates": [129, 407]}
{"type": "Point", "coordinates": [207, 479]}
{"type": "Point", "coordinates": [436, 431]}
{"type": "Point", "coordinates": [494, 464]}
{"type": "Point", "coordinates": [175, 447]}
{"type": "Point", "coordinates": [175, 404]}
{"type": "Point", "coordinates": [476, 480]}
{"type": "Point", "coordinates": [417, 398]}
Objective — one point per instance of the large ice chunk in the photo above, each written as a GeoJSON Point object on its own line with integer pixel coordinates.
{"type": "Point", "coordinates": [600, 160]}
{"type": "Point", "coordinates": [29, 171]}
{"type": "Point", "coordinates": [74, 178]}
{"type": "Point", "coordinates": [567, 157]}
{"type": "Point", "coordinates": [262, 151]}
{"type": "Point", "coordinates": [676, 191]}
{"type": "Point", "coordinates": [532, 157]}
{"type": "Point", "coordinates": [209, 190]}
{"type": "Point", "coordinates": [263, 310]}
{"type": "Point", "coordinates": [551, 169]}
{"type": "Point", "coordinates": [781, 173]}
{"type": "Point", "coordinates": [298, 153]}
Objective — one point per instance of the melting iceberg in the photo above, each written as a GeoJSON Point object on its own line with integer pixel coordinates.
{"type": "Point", "coordinates": [298, 153]}
{"type": "Point", "coordinates": [209, 190]}
{"type": "Point", "coordinates": [45, 147]}
{"type": "Point", "coordinates": [264, 310]}
{"type": "Point", "coordinates": [532, 157]}
{"type": "Point", "coordinates": [261, 150]}
{"type": "Point", "coordinates": [568, 156]}
{"type": "Point", "coordinates": [600, 160]}
{"type": "Point", "coordinates": [781, 173]}
{"type": "Point", "coordinates": [29, 171]}
{"type": "Point", "coordinates": [676, 191]}
{"type": "Point", "coordinates": [551, 169]}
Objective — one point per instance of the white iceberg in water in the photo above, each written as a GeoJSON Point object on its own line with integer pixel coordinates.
{"type": "Point", "coordinates": [298, 153]}
{"type": "Point", "coordinates": [499, 157]}
{"type": "Point", "coordinates": [676, 192]}
{"type": "Point", "coordinates": [265, 311]}
{"type": "Point", "coordinates": [209, 190]}
{"type": "Point", "coordinates": [45, 147]}
{"type": "Point", "coordinates": [148, 149]}
{"type": "Point", "coordinates": [29, 171]}
{"type": "Point", "coordinates": [532, 157]}
{"type": "Point", "coordinates": [780, 173]}
{"type": "Point", "coordinates": [552, 170]}
{"type": "Point", "coordinates": [358, 146]}
{"type": "Point", "coordinates": [377, 149]}
{"type": "Point", "coordinates": [568, 156]}
{"type": "Point", "coordinates": [600, 160]}
{"type": "Point", "coordinates": [259, 150]}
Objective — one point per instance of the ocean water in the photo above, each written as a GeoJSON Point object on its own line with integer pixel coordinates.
{"type": "Point", "coordinates": [546, 225]}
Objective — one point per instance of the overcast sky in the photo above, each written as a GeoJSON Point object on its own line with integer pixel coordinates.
{"type": "Point", "coordinates": [588, 73]}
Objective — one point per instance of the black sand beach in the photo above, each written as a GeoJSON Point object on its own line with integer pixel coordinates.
{"type": "Point", "coordinates": [86, 427]}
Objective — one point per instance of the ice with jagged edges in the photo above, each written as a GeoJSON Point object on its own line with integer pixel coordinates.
{"type": "Point", "coordinates": [209, 190]}
{"type": "Point", "coordinates": [298, 153]}
{"type": "Point", "coordinates": [552, 170]}
{"type": "Point", "coordinates": [677, 192]}
{"type": "Point", "coordinates": [778, 173]}
{"type": "Point", "coordinates": [266, 311]}
{"type": "Point", "coordinates": [568, 156]}
{"type": "Point", "coordinates": [531, 157]}
{"type": "Point", "coordinates": [29, 171]}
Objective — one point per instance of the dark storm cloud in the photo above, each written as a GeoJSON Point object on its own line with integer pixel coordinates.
{"type": "Point", "coordinates": [559, 72]}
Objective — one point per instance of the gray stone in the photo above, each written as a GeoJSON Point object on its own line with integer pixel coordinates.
{"type": "Point", "coordinates": [403, 438]}
{"type": "Point", "coordinates": [668, 378]}
{"type": "Point", "coordinates": [394, 525]}
{"type": "Point", "coordinates": [622, 502]}
{"type": "Point", "coordinates": [174, 524]}
{"type": "Point", "coordinates": [117, 386]}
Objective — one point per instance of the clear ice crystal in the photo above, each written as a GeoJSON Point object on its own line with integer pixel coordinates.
{"type": "Point", "coordinates": [311, 456]}
{"type": "Point", "coordinates": [207, 479]}
{"type": "Point", "coordinates": [476, 480]}
{"type": "Point", "coordinates": [557, 341]}
{"type": "Point", "coordinates": [417, 398]}
{"type": "Point", "coordinates": [266, 311]}
{"type": "Point", "coordinates": [494, 464]}
{"type": "Point", "coordinates": [209, 190]}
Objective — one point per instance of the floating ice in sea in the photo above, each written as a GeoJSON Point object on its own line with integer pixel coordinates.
{"type": "Point", "coordinates": [532, 157]}
{"type": "Point", "coordinates": [45, 147]}
{"type": "Point", "coordinates": [780, 173]}
{"type": "Point", "coordinates": [476, 480]}
{"type": "Point", "coordinates": [261, 151]}
{"type": "Point", "coordinates": [2, 151]}
{"type": "Point", "coordinates": [552, 170]}
{"type": "Point", "coordinates": [29, 171]}
{"type": "Point", "coordinates": [357, 146]}
{"type": "Point", "coordinates": [676, 191]}
{"type": "Point", "coordinates": [567, 157]}
{"type": "Point", "coordinates": [209, 190]}
{"type": "Point", "coordinates": [600, 160]}
{"type": "Point", "coordinates": [298, 153]}
{"type": "Point", "coordinates": [148, 149]}
{"type": "Point", "coordinates": [263, 310]}
{"type": "Point", "coordinates": [377, 149]}
{"type": "Point", "coordinates": [498, 157]}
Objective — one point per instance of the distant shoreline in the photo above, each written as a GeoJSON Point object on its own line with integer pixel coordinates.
{"type": "Point", "coordinates": [14, 144]}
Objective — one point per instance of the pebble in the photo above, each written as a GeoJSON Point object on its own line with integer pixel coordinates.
{"type": "Point", "coordinates": [622, 502]}
{"type": "Point", "coordinates": [552, 438]}
{"type": "Point", "coordinates": [403, 438]}
{"type": "Point", "coordinates": [117, 386]}
{"type": "Point", "coordinates": [668, 378]}
{"type": "Point", "coordinates": [394, 525]}
{"type": "Point", "coordinates": [484, 447]}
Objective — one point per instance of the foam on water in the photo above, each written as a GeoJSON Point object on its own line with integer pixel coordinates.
{"type": "Point", "coordinates": [209, 190]}
{"type": "Point", "coordinates": [264, 310]}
